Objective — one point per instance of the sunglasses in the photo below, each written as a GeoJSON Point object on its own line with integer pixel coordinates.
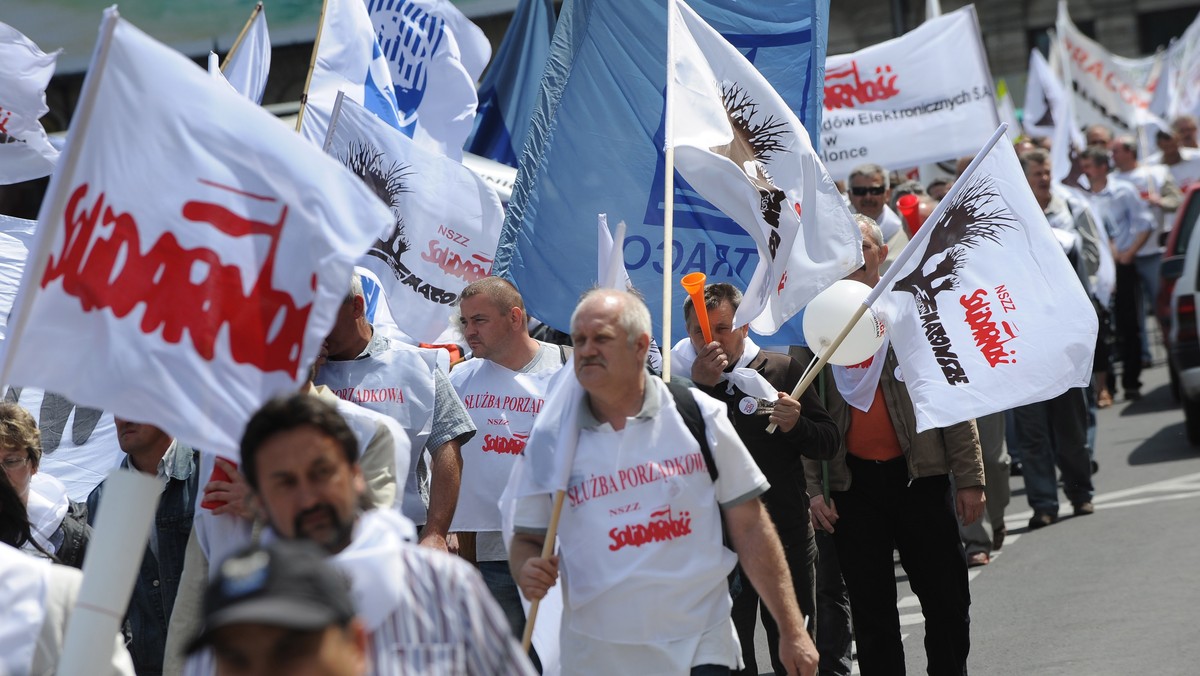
{"type": "Point", "coordinates": [873, 190]}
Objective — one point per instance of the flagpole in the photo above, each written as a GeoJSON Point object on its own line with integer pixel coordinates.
{"type": "Point", "coordinates": [906, 253]}
{"type": "Point", "coordinates": [547, 552]}
{"type": "Point", "coordinates": [312, 63]}
{"type": "Point", "coordinates": [668, 197]}
{"type": "Point", "coordinates": [242, 36]}
{"type": "Point", "coordinates": [54, 205]}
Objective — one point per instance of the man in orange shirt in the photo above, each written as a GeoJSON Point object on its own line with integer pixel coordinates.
{"type": "Point", "coordinates": [891, 488]}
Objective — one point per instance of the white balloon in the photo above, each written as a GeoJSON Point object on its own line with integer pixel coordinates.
{"type": "Point", "coordinates": [828, 314]}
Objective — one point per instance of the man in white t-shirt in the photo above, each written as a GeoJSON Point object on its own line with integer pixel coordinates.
{"type": "Point", "coordinates": [1157, 188]}
{"type": "Point", "coordinates": [1183, 162]}
{"type": "Point", "coordinates": [640, 528]}
{"type": "Point", "coordinates": [503, 388]}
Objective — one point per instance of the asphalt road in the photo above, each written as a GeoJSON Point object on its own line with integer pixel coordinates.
{"type": "Point", "coordinates": [1117, 592]}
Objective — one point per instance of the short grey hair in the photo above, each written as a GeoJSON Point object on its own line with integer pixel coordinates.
{"type": "Point", "coordinates": [870, 170]}
{"type": "Point", "coordinates": [356, 288]}
{"type": "Point", "coordinates": [634, 317]}
{"type": "Point", "coordinates": [872, 227]}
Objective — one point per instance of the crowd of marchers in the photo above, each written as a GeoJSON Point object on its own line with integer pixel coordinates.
{"type": "Point", "coordinates": [407, 534]}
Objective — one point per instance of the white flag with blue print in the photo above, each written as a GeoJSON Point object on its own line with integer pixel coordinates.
{"type": "Point", "coordinates": [435, 56]}
{"type": "Point", "coordinates": [349, 59]}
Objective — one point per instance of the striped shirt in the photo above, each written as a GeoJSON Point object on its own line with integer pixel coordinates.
{"type": "Point", "coordinates": [428, 613]}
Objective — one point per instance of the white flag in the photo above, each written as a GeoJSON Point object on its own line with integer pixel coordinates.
{"type": "Point", "coordinates": [741, 148]}
{"type": "Point", "coordinates": [200, 259]}
{"type": "Point", "coordinates": [436, 56]}
{"type": "Point", "coordinates": [446, 220]}
{"type": "Point", "coordinates": [1181, 75]}
{"type": "Point", "coordinates": [986, 313]}
{"type": "Point", "coordinates": [25, 70]}
{"type": "Point", "coordinates": [1050, 111]}
{"type": "Point", "coordinates": [79, 444]}
{"type": "Point", "coordinates": [1108, 89]}
{"type": "Point", "coordinates": [348, 60]}
{"type": "Point", "coordinates": [248, 66]}
{"type": "Point", "coordinates": [1007, 110]}
{"type": "Point", "coordinates": [923, 97]}
{"type": "Point", "coordinates": [610, 262]}
{"type": "Point", "coordinates": [1044, 96]}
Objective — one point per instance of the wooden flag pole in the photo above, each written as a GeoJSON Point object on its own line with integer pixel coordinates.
{"type": "Point", "coordinates": [668, 197]}
{"type": "Point", "coordinates": [242, 36]}
{"type": "Point", "coordinates": [815, 367]}
{"type": "Point", "coordinates": [547, 552]}
{"type": "Point", "coordinates": [312, 63]}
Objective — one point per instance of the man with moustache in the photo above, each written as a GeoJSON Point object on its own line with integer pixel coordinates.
{"type": "Point", "coordinates": [425, 611]}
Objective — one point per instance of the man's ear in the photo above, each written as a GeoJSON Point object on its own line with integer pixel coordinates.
{"type": "Point", "coordinates": [360, 307]}
{"type": "Point", "coordinates": [642, 345]}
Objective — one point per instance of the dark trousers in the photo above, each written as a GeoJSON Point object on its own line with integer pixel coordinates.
{"type": "Point", "coordinates": [883, 511]}
{"type": "Point", "coordinates": [1050, 433]}
{"type": "Point", "coordinates": [1129, 326]}
{"type": "Point", "coordinates": [833, 610]}
{"type": "Point", "coordinates": [800, 551]}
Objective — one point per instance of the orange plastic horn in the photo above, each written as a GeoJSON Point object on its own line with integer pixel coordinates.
{"type": "Point", "coordinates": [910, 208]}
{"type": "Point", "coordinates": [693, 283]}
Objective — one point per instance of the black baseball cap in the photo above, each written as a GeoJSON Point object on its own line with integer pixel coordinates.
{"type": "Point", "coordinates": [285, 584]}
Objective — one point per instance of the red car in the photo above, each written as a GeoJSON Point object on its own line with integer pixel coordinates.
{"type": "Point", "coordinates": [1172, 267]}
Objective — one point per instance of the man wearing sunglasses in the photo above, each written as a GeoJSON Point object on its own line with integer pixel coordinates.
{"type": "Point", "coordinates": [870, 193]}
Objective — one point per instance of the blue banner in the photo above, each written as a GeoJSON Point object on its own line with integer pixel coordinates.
{"type": "Point", "coordinates": [510, 85]}
{"type": "Point", "coordinates": [596, 146]}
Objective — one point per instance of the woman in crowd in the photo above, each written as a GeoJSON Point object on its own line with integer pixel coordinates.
{"type": "Point", "coordinates": [57, 526]}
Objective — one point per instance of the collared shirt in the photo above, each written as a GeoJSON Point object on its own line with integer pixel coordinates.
{"type": "Point", "coordinates": [1124, 213]}
{"type": "Point", "coordinates": [426, 612]}
{"type": "Point", "coordinates": [177, 464]}
{"type": "Point", "coordinates": [650, 407]}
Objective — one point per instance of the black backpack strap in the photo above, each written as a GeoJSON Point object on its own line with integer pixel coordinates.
{"type": "Point", "coordinates": [689, 410]}
{"type": "Point", "coordinates": [564, 351]}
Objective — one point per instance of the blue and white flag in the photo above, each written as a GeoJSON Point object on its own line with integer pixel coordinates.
{"type": "Point", "coordinates": [435, 55]}
{"type": "Point", "coordinates": [508, 91]}
{"type": "Point", "coordinates": [596, 146]}
{"type": "Point", "coordinates": [350, 60]}
{"type": "Point", "coordinates": [247, 67]}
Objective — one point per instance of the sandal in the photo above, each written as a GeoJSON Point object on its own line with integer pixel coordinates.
{"type": "Point", "coordinates": [1104, 400]}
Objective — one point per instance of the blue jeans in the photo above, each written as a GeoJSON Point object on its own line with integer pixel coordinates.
{"type": "Point", "coordinates": [1055, 432]}
{"type": "Point", "coordinates": [500, 582]}
{"type": "Point", "coordinates": [503, 587]}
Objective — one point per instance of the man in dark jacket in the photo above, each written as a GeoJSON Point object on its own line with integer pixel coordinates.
{"type": "Point", "coordinates": [755, 386]}
{"type": "Point", "coordinates": [151, 451]}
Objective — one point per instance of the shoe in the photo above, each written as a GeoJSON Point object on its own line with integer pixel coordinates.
{"type": "Point", "coordinates": [1016, 469]}
{"type": "Point", "coordinates": [1085, 508]}
{"type": "Point", "coordinates": [976, 559]}
{"type": "Point", "coordinates": [1104, 399]}
{"type": "Point", "coordinates": [1095, 467]}
{"type": "Point", "coordinates": [1041, 520]}
{"type": "Point", "coordinates": [1133, 395]}
{"type": "Point", "coordinates": [998, 537]}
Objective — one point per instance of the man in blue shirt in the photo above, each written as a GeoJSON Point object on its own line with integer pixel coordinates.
{"type": "Point", "coordinates": [1130, 223]}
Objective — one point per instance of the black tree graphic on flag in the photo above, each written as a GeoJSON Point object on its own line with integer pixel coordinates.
{"type": "Point", "coordinates": [757, 137]}
{"type": "Point", "coordinates": [388, 180]}
{"type": "Point", "coordinates": [976, 216]}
